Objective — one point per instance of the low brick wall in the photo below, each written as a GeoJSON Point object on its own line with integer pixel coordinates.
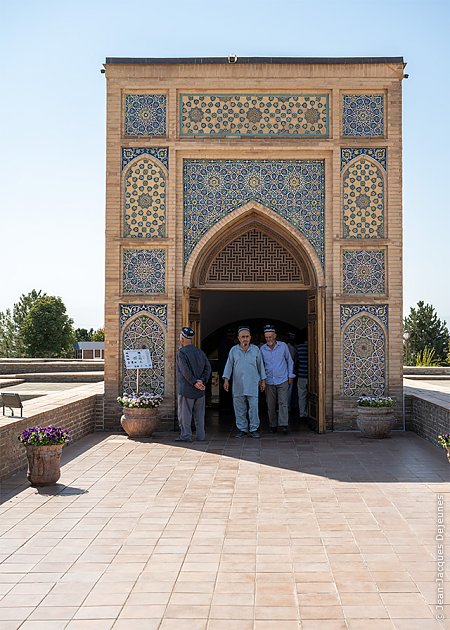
{"type": "Point", "coordinates": [76, 410]}
{"type": "Point", "coordinates": [426, 418]}
{"type": "Point", "coordinates": [19, 366]}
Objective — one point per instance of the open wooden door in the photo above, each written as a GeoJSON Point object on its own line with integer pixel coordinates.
{"type": "Point", "coordinates": [191, 311]}
{"type": "Point", "coordinates": [316, 364]}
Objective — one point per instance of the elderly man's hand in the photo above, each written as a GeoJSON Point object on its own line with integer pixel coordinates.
{"type": "Point", "coordinates": [199, 385]}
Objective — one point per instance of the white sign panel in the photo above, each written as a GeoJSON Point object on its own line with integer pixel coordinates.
{"type": "Point", "coordinates": [137, 359]}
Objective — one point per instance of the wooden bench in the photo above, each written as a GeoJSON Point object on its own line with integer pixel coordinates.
{"type": "Point", "coordinates": [12, 401]}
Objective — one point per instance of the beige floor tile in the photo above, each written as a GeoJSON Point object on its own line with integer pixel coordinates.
{"type": "Point", "coordinates": [370, 624]}
{"type": "Point", "coordinates": [321, 612]}
{"type": "Point", "coordinates": [230, 624]}
{"type": "Point", "coordinates": [263, 624]}
{"type": "Point", "coordinates": [143, 611]}
{"type": "Point", "coordinates": [407, 611]}
{"type": "Point", "coordinates": [362, 611]}
{"type": "Point", "coordinates": [319, 624]}
{"type": "Point", "coordinates": [276, 613]}
{"type": "Point", "coordinates": [53, 612]}
{"type": "Point", "coordinates": [182, 624]}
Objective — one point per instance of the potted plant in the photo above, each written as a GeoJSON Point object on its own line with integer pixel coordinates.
{"type": "Point", "coordinates": [140, 413]}
{"type": "Point", "coordinates": [444, 441]}
{"type": "Point", "coordinates": [44, 447]}
{"type": "Point", "coordinates": [375, 417]}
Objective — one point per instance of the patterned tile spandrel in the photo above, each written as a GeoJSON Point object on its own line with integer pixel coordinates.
{"type": "Point", "coordinates": [379, 154]}
{"type": "Point", "coordinates": [159, 153]}
{"type": "Point", "coordinates": [292, 188]}
{"type": "Point", "coordinates": [254, 115]}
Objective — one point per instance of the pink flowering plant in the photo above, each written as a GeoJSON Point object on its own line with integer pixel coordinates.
{"type": "Point", "coordinates": [44, 436]}
{"type": "Point", "coordinates": [141, 401]}
{"type": "Point", "coordinates": [444, 440]}
{"type": "Point", "coordinates": [375, 401]}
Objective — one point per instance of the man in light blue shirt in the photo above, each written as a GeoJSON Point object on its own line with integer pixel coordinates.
{"type": "Point", "coordinates": [279, 368]}
{"type": "Point", "coordinates": [245, 364]}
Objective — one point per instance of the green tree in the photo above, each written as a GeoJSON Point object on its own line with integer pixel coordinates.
{"type": "Point", "coordinates": [83, 334]}
{"type": "Point", "coordinates": [11, 342]}
{"type": "Point", "coordinates": [423, 330]}
{"type": "Point", "coordinates": [98, 335]}
{"type": "Point", "coordinates": [47, 330]}
{"type": "Point", "coordinates": [7, 334]}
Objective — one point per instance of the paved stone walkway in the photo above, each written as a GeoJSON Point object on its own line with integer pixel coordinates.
{"type": "Point", "coordinates": [297, 532]}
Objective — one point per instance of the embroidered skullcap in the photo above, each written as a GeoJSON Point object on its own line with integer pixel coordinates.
{"type": "Point", "coordinates": [269, 328]}
{"type": "Point", "coordinates": [187, 332]}
{"type": "Point", "coordinates": [242, 328]}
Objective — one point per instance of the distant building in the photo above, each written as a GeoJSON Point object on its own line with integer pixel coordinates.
{"type": "Point", "coordinates": [89, 350]}
{"type": "Point", "coordinates": [256, 188]}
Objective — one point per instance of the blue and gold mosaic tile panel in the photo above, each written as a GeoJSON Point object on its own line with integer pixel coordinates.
{"type": "Point", "coordinates": [363, 200]}
{"type": "Point", "coordinates": [363, 350]}
{"type": "Point", "coordinates": [145, 115]}
{"type": "Point", "coordinates": [363, 115]}
{"type": "Point", "coordinates": [363, 271]}
{"type": "Point", "coordinates": [296, 115]}
{"type": "Point", "coordinates": [292, 188]}
{"type": "Point", "coordinates": [379, 154]}
{"type": "Point", "coordinates": [143, 326]}
{"type": "Point", "coordinates": [144, 271]}
{"type": "Point", "coordinates": [144, 200]}
{"type": "Point", "coordinates": [158, 311]}
{"type": "Point", "coordinates": [159, 153]}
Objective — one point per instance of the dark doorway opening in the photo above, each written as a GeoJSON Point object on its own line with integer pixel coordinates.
{"type": "Point", "coordinates": [222, 312]}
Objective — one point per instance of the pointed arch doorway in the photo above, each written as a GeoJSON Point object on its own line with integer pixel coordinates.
{"type": "Point", "coordinates": [254, 265]}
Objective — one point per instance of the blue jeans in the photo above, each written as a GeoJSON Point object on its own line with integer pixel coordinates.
{"type": "Point", "coordinates": [240, 410]}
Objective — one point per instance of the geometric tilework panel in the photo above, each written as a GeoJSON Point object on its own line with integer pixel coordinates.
{"type": "Point", "coordinates": [364, 358]}
{"type": "Point", "coordinates": [254, 257]}
{"type": "Point", "coordinates": [363, 115]}
{"type": "Point", "coordinates": [145, 200]}
{"type": "Point", "coordinates": [144, 332]}
{"type": "Point", "coordinates": [159, 153]}
{"type": "Point", "coordinates": [363, 271]}
{"type": "Point", "coordinates": [254, 115]}
{"type": "Point", "coordinates": [379, 311]}
{"type": "Point", "coordinates": [379, 154]}
{"type": "Point", "coordinates": [144, 270]}
{"type": "Point", "coordinates": [145, 115]}
{"type": "Point", "coordinates": [363, 200]}
{"type": "Point", "coordinates": [292, 188]}
{"type": "Point", "coordinates": [158, 311]}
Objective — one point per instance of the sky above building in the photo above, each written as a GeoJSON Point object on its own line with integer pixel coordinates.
{"type": "Point", "coordinates": [53, 110]}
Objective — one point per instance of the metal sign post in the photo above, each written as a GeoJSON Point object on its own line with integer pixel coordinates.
{"type": "Point", "coordinates": [137, 359]}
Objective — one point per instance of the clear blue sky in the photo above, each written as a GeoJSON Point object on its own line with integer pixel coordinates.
{"type": "Point", "coordinates": [53, 113]}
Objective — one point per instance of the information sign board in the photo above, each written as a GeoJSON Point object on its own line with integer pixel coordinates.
{"type": "Point", "coordinates": [137, 359]}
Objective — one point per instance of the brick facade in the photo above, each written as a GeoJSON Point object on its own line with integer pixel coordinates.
{"type": "Point", "coordinates": [183, 135]}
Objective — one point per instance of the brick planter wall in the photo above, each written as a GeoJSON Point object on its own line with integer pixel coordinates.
{"type": "Point", "coordinates": [426, 418]}
{"type": "Point", "coordinates": [79, 415]}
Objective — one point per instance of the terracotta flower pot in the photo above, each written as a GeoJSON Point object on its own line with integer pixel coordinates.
{"type": "Point", "coordinates": [44, 464]}
{"type": "Point", "coordinates": [139, 421]}
{"type": "Point", "coordinates": [375, 422]}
